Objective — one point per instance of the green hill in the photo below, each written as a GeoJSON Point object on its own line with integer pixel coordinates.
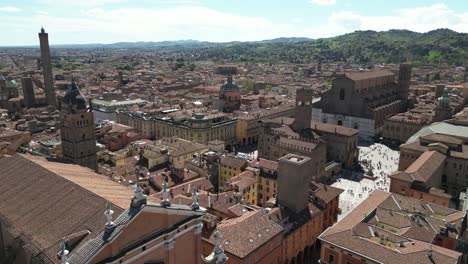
{"type": "Point", "coordinates": [441, 46]}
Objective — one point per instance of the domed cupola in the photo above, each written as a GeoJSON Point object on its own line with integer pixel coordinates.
{"type": "Point", "coordinates": [230, 85]}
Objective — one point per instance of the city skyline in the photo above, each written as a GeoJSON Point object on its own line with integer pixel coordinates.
{"type": "Point", "coordinates": [110, 21]}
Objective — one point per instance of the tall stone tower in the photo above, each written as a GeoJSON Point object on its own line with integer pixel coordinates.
{"type": "Point", "coordinates": [404, 79]}
{"type": "Point", "coordinates": [47, 69]}
{"type": "Point", "coordinates": [28, 92]}
{"type": "Point", "coordinates": [303, 111]}
{"type": "Point", "coordinates": [77, 129]}
{"type": "Point", "coordinates": [294, 176]}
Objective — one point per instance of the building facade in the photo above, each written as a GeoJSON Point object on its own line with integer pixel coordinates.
{"type": "Point", "coordinates": [453, 179]}
{"type": "Point", "coordinates": [199, 127]}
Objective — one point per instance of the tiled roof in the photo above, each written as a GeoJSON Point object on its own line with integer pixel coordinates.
{"type": "Point", "coordinates": [243, 180]}
{"type": "Point", "coordinates": [358, 76]}
{"type": "Point", "coordinates": [244, 234]}
{"type": "Point", "coordinates": [41, 207]}
{"type": "Point", "coordinates": [88, 179]}
{"type": "Point", "coordinates": [395, 220]}
{"type": "Point", "coordinates": [333, 129]}
{"type": "Point", "coordinates": [426, 165]}
{"type": "Point", "coordinates": [326, 193]}
{"type": "Point", "coordinates": [233, 162]}
{"type": "Point", "coordinates": [265, 163]}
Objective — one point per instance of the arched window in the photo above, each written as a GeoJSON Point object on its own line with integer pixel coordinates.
{"type": "Point", "coordinates": [342, 94]}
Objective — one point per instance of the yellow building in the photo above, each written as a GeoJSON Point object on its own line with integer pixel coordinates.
{"type": "Point", "coordinates": [230, 166]}
{"type": "Point", "coordinates": [267, 181]}
{"type": "Point", "coordinates": [180, 150]}
{"type": "Point", "coordinates": [245, 183]}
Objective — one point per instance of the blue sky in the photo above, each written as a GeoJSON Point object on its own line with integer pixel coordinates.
{"type": "Point", "coordinates": [108, 21]}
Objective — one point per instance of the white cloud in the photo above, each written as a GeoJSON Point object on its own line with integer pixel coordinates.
{"type": "Point", "coordinates": [323, 2]}
{"type": "Point", "coordinates": [419, 19]}
{"type": "Point", "coordinates": [9, 9]}
{"type": "Point", "coordinates": [172, 22]}
{"type": "Point", "coordinates": [79, 3]}
{"type": "Point", "coordinates": [107, 25]}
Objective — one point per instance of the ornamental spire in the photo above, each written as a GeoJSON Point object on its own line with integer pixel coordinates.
{"type": "Point", "coordinates": [63, 253]}
{"type": "Point", "coordinates": [165, 202]}
{"type": "Point", "coordinates": [139, 197]}
{"type": "Point", "coordinates": [195, 205]}
{"type": "Point", "coordinates": [109, 212]}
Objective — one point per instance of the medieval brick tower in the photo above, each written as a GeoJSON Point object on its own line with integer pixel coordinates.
{"type": "Point", "coordinates": [404, 79]}
{"type": "Point", "coordinates": [47, 69]}
{"type": "Point", "coordinates": [294, 176]}
{"type": "Point", "coordinates": [77, 129]}
{"type": "Point", "coordinates": [303, 111]}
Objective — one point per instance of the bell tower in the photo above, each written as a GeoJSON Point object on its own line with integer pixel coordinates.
{"type": "Point", "coordinates": [77, 129]}
{"type": "Point", "coordinates": [404, 79]}
{"type": "Point", "coordinates": [303, 111]}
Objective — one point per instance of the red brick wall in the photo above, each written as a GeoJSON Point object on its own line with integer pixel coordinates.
{"type": "Point", "coordinates": [352, 260]}
{"type": "Point", "coordinates": [327, 252]}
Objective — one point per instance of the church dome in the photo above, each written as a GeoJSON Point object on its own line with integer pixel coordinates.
{"type": "Point", "coordinates": [74, 97]}
{"type": "Point", "coordinates": [10, 83]}
{"type": "Point", "coordinates": [230, 85]}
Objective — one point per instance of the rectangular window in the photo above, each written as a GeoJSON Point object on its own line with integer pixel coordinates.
{"type": "Point", "coordinates": [331, 259]}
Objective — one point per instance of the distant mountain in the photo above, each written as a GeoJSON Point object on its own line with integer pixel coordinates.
{"type": "Point", "coordinates": [189, 43]}
{"type": "Point", "coordinates": [440, 46]}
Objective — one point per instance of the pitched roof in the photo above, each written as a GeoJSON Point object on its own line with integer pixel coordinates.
{"type": "Point", "coordinates": [233, 162]}
{"type": "Point", "coordinates": [358, 76]}
{"type": "Point", "coordinates": [426, 165]}
{"type": "Point", "coordinates": [41, 207]}
{"type": "Point", "coordinates": [265, 163]}
{"type": "Point", "coordinates": [326, 193]}
{"type": "Point", "coordinates": [333, 129]}
{"type": "Point", "coordinates": [242, 235]}
{"type": "Point", "coordinates": [88, 179]}
{"type": "Point", "coordinates": [382, 223]}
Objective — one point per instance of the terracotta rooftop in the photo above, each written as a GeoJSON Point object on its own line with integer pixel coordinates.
{"type": "Point", "coordinates": [333, 129]}
{"type": "Point", "coordinates": [86, 178]}
{"type": "Point", "coordinates": [265, 163]}
{"type": "Point", "coordinates": [358, 76]}
{"type": "Point", "coordinates": [233, 162]}
{"type": "Point", "coordinates": [443, 138]}
{"type": "Point", "coordinates": [40, 207]}
{"type": "Point", "coordinates": [244, 234]}
{"type": "Point", "coordinates": [382, 223]}
{"type": "Point", "coordinates": [426, 165]}
{"type": "Point", "coordinates": [326, 193]}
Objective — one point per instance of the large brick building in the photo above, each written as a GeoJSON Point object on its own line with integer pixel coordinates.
{"type": "Point", "coordinates": [319, 141]}
{"type": "Point", "coordinates": [362, 100]}
{"type": "Point", "coordinates": [427, 151]}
